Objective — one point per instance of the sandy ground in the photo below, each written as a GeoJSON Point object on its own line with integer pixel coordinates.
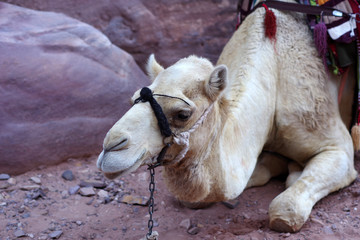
{"type": "Point", "coordinates": [38, 205]}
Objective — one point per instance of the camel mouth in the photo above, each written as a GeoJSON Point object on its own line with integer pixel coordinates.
{"type": "Point", "coordinates": [113, 165]}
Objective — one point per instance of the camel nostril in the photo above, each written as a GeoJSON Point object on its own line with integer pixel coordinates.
{"type": "Point", "coordinates": [121, 143]}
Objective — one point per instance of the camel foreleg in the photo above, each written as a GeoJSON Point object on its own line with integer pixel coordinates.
{"type": "Point", "coordinates": [328, 171]}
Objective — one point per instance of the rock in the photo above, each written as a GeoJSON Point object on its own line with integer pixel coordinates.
{"type": "Point", "coordinates": [35, 194]}
{"type": "Point", "coordinates": [185, 223]}
{"type": "Point", "coordinates": [68, 175]}
{"type": "Point", "coordinates": [55, 234]}
{"type": "Point", "coordinates": [103, 194]}
{"type": "Point", "coordinates": [314, 219]}
{"type": "Point", "coordinates": [66, 84]}
{"type": "Point", "coordinates": [90, 202]}
{"type": "Point", "coordinates": [29, 187]}
{"type": "Point", "coordinates": [11, 181]}
{"type": "Point", "coordinates": [173, 29]}
{"type": "Point", "coordinates": [25, 215]}
{"type": "Point", "coordinates": [19, 233]}
{"type": "Point", "coordinates": [328, 230]}
{"type": "Point", "coordinates": [87, 191]}
{"type": "Point", "coordinates": [4, 185]}
{"type": "Point", "coordinates": [44, 212]}
{"type": "Point", "coordinates": [134, 200]}
{"type": "Point", "coordinates": [64, 194]}
{"type": "Point", "coordinates": [96, 184]}
{"type": "Point", "coordinates": [285, 235]}
{"type": "Point", "coordinates": [36, 180]}
{"type": "Point", "coordinates": [346, 209]}
{"type": "Point", "coordinates": [232, 204]}
{"type": "Point", "coordinates": [193, 230]}
{"type": "Point", "coordinates": [74, 190]}
{"type": "Point", "coordinates": [4, 176]}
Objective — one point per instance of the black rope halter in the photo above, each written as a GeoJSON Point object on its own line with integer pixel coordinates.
{"type": "Point", "coordinates": [146, 95]}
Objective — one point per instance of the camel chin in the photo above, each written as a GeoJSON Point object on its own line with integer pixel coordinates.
{"type": "Point", "coordinates": [115, 164]}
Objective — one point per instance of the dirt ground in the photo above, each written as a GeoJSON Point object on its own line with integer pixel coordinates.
{"type": "Point", "coordinates": [41, 204]}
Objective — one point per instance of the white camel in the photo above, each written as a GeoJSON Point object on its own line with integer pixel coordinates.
{"type": "Point", "coordinates": [262, 97]}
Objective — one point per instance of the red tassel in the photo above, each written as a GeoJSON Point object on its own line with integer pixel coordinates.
{"type": "Point", "coordinates": [270, 23]}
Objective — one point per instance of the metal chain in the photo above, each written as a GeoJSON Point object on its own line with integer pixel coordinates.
{"type": "Point", "coordinates": [151, 200]}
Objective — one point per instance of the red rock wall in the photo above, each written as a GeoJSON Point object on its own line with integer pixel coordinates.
{"type": "Point", "coordinates": [171, 29]}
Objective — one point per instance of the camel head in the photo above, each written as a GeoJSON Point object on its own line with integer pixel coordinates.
{"type": "Point", "coordinates": [184, 91]}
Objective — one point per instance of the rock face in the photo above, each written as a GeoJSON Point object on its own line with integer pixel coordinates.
{"type": "Point", "coordinates": [62, 86]}
{"type": "Point", "coordinates": [171, 29]}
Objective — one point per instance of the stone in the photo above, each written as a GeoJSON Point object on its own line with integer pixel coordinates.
{"type": "Point", "coordinates": [134, 200]}
{"type": "Point", "coordinates": [35, 194]}
{"type": "Point", "coordinates": [74, 190]}
{"type": "Point", "coordinates": [68, 175]}
{"type": "Point", "coordinates": [4, 185]}
{"type": "Point", "coordinates": [64, 194]}
{"type": "Point", "coordinates": [4, 176]}
{"type": "Point", "coordinates": [87, 191]}
{"type": "Point", "coordinates": [63, 88]}
{"type": "Point", "coordinates": [19, 233]}
{"type": "Point", "coordinates": [103, 194]}
{"type": "Point", "coordinates": [55, 234]}
{"type": "Point", "coordinates": [232, 204]}
{"type": "Point", "coordinates": [193, 230]}
{"type": "Point", "coordinates": [185, 223]}
{"type": "Point", "coordinates": [11, 181]}
{"type": "Point", "coordinates": [328, 230]}
{"type": "Point", "coordinates": [29, 187]}
{"type": "Point", "coordinates": [36, 180]}
{"type": "Point", "coordinates": [173, 29]}
{"type": "Point", "coordinates": [95, 184]}
{"type": "Point", "coordinates": [79, 223]}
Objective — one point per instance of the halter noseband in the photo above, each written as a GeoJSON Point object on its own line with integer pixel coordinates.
{"type": "Point", "coordinates": [146, 95]}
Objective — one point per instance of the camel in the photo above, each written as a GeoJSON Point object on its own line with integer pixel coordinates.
{"type": "Point", "coordinates": [270, 109]}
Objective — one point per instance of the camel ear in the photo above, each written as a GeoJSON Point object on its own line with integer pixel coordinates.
{"type": "Point", "coordinates": [153, 68]}
{"type": "Point", "coordinates": [217, 82]}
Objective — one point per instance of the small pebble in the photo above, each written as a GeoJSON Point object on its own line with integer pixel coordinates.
{"type": "Point", "coordinates": [232, 204]}
{"type": "Point", "coordinates": [96, 184]}
{"type": "Point", "coordinates": [68, 175]}
{"type": "Point", "coordinates": [29, 187]}
{"type": "Point", "coordinates": [4, 176]}
{"type": "Point", "coordinates": [36, 180]}
{"type": "Point", "coordinates": [64, 194]}
{"type": "Point", "coordinates": [185, 223]}
{"type": "Point", "coordinates": [74, 190]}
{"type": "Point", "coordinates": [103, 194]}
{"type": "Point", "coordinates": [328, 230]}
{"type": "Point", "coordinates": [4, 185]}
{"type": "Point", "coordinates": [87, 191]}
{"type": "Point", "coordinates": [193, 230]}
{"type": "Point", "coordinates": [79, 223]}
{"type": "Point", "coordinates": [55, 234]}
{"type": "Point", "coordinates": [11, 181]}
{"type": "Point", "coordinates": [19, 233]}
{"type": "Point", "coordinates": [25, 215]}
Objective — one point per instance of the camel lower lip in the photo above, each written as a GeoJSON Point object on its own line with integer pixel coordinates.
{"type": "Point", "coordinates": [113, 175]}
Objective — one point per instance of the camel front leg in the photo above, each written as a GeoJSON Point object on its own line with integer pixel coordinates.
{"type": "Point", "coordinates": [269, 165]}
{"type": "Point", "coordinates": [328, 171]}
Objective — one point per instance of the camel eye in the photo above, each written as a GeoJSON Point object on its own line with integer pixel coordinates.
{"type": "Point", "coordinates": [183, 115]}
